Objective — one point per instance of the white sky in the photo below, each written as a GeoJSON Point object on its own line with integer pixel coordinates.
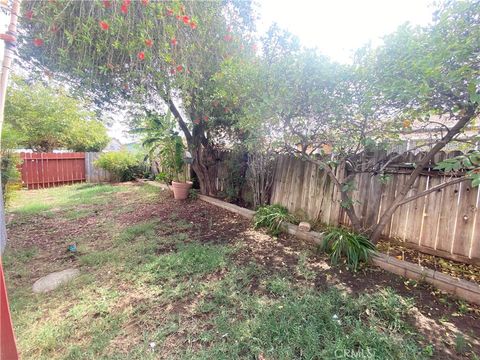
{"type": "Point", "coordinates": [338, 27]}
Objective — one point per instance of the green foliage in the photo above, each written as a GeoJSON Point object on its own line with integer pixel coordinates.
{"type": "Point", "coordinates": [235, 167]}
{"type": "Point", "coordinates": [340, 242]}
{"type": "Point", "coordinates": [10, 174]}
{"type": "Point", "coordinates": [272, 217]}
{"type": "Point", "coordinates": [87, 136]}
{"type": "Point", "coordinates": [163, 144]}
{"type": "Point", "coordinates": [193, 194]}
{"type": "Point", "coordinates": [124, 165]}
{"type": "Point", "coordinates": [469, 163]}
{"type": "Point", "coordinates": [44, 118]}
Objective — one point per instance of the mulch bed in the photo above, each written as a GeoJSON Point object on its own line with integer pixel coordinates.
{"type": "Point", "coordinates": [456, 269]}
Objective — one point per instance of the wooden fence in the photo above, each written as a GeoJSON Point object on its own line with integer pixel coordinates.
{"type": "Point", "coordinates": [93, 173]}
{"type": "Point", "coordinates": [41, 170]}
{"type": "Point", "coordinates": [444, 223]}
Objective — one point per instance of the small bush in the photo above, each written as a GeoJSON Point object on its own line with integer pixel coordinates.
{"type": "Point", "coordinates": [272, 217]}
{"type": "Point", "coordinates": [193, 194]}
{"type": "Point", "coordinates": [123, 165]}
{"type": "Point", "coordinates": [10, 174]}
{"type": "Point", "coordinates": [339, 242]}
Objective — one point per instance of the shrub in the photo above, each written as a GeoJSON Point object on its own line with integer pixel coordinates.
{"type": "Point", "coordinates": [10, 174]}
{"type": "Point", "coordinates": [339, 242]}
{"type": "Point", "coordinates": [123, 165]}
{"type": "Point", "coordinates": [193, 194]}
{"type": "Point", "coordinates": [272, 217]}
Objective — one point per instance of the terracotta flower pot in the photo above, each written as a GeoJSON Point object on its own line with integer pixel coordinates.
{"type": "Point", "coordinates": [180, 189]}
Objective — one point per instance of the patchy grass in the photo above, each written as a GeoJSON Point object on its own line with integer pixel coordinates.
{"type": "Point", "coordinates": [153, 285]}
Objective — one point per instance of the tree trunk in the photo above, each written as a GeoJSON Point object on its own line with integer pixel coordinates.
{"type": "Point", "coordinates": [204, 166]}
{"type": "Point", "coordinates": [204, 162]}
{"type": "Point", "coordinates": [376, 232]}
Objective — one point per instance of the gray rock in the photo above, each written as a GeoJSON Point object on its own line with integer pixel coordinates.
{"type": "Point", "coordinates": [304, 226]}
{"type": "Point", "coordinates": [54, 280]}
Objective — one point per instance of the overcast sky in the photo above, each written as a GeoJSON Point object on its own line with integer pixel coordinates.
{"type": "Point", "coordinates": [338, 27]}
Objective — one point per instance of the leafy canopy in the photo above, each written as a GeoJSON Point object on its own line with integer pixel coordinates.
{"type": "Point", "coordinates": [42, 118]}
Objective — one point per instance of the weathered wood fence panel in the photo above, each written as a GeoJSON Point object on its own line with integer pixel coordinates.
{"type": "Point", "coordinates": [95, 174]}
{"type": "Point", "coordinates": [42, 170]}
{"type": "Point", "coordinates": [444, 222]}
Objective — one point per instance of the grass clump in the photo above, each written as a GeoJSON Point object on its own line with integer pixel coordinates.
{"type": "Point", "coordinates": [145, 229]}
{"type": "Point", "coordinates": [342, 243]}
{"type": "Point", "coordinates": [272, 217]}
{"type": "Point", "coordinates": [190, 259]}
{"type": "Point", "coordinates": [33, 209]}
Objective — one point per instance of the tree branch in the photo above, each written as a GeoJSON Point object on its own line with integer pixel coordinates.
{"type": "Point", "coordinates": [433, 189]}
{"type": "Point", "coordinates": [173, 108]}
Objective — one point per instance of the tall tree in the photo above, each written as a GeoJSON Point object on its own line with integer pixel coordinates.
{"type": "Point", "coordinates": [44, 118]}
{"type": "Point", "coordinates": [335, 115]}
{"type": "Point", "coordinates": [155, 53]}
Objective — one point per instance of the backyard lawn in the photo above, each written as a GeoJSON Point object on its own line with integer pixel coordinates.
{"type": "Point", "coordinates": [168, 279]}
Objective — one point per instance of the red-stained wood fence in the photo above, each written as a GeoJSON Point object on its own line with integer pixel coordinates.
{"type": "Point", "coordinates": [42, 170]}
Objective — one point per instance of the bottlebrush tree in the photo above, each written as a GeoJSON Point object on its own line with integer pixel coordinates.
{"type": "Point", "coordinates": [148, 53]}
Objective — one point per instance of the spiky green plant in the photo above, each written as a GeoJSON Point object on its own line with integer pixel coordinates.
{"type": "Point", "coordinates": [272, 217]}
{"type": "Point", "coordinates": [355, 248]}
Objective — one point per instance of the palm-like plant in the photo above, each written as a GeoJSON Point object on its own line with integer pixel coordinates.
{"type": "Point", "coordinates": [163, 143]}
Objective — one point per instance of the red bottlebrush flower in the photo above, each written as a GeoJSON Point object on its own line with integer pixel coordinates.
{"type": "Point", "coordinates": [186, 20]}
{"type": "Point", "coordinates": [196, 121]}
{"type": "Point", "coordinates": [169, 12]}
{"type": "Point", "coordinates": [145, 2]}
{"type": "Point", "coordinates": [228, 37]}
{"type": "Point", "coordinates": [193, 25]}
{"type": "Point", "coordinates": [29, 14]}
{"type": "Point", "coordinates": [124, 9]}
{"type": "Point", "coordinates": [38, 42]}
{"type": "Point", "coordinates": [179, 68]}
{"type": "Point", "coordinates": [141, 55]}
{"type": "Point", "coordinates": [149, 42]}
{"type": "Point", "coordinates": [107, 4]}
{"type": "Point", "coordinates": [174, 42]}
{"type": "Point", "coordinates": [205, 118]}
{"type": "Point", "coordinates": [104, 25]}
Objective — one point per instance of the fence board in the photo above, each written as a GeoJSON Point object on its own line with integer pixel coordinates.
{"type": "Point", "coordinates": [444, 222]}
{"type": "Point", "coordinates": [93, 173]}
{"type": "Point", "coordinates": [41, 170]}
{"type": "Point", "coordinates": [465, 218]}
{"type": "Point", "coordinates": [430, 224]}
